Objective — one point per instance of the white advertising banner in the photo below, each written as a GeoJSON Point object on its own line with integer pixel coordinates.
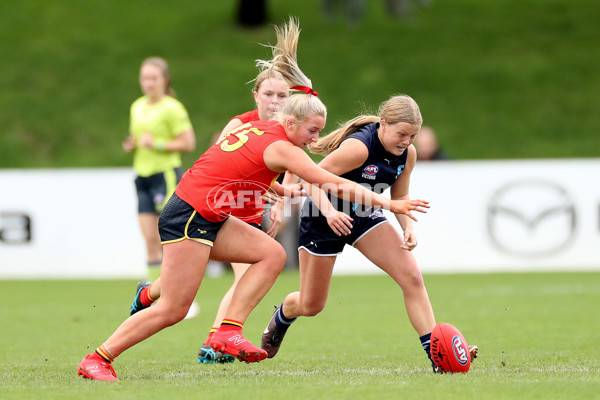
{"type": "Point", "coordinates": [518, 215]}
{"type": "Point", "coordinates": [485, 216]}
{"type": "Point", "coordinates": [72, 223]}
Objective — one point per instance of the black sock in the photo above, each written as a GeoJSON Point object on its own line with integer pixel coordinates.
{"type": "Point", "coordinates": [282, 321]}
{"type": "Point", "coordinates": [426, 344]}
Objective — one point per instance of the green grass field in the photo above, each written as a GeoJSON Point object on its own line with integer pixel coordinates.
{"type": "Point", "coordinates": [538, 335]}
{"type": "Point", "coordinates": [497, 79]}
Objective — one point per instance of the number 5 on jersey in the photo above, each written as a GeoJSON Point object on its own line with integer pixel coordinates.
{"type": "Point", "coordinates": [241, 133]}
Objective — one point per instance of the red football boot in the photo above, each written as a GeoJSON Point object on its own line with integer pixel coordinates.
{"type": "Point", "coordinates": [233, 343]}
{"type": "Point", "coordinates": [92, 367]}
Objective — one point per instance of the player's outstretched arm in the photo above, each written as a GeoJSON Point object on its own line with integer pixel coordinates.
{"type": "Point", "coordinates": [281, 155]}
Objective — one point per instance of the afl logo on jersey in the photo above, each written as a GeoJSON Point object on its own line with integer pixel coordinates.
{"type": "Point", "coordinates": [371, 169]}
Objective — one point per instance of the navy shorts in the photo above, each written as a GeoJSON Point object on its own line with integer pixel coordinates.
{"type": "Point", "coordinates": [178, 221]}
{"type": "Point", "coordinates": [318, 239]}
{"type": "Point", "coordinates": [153, 191]}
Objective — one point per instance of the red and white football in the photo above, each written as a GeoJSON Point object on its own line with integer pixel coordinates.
{"type": "Point", "coordinates": [449, 349]}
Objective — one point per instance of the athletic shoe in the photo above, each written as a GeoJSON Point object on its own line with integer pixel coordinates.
{"type": "Point", "coordinates": [93, 368]}
{"type": "Point", "coordinates": [234, 344]}
{"type": "Point", "coordinates": [207, 355]}
{"type": "Point", "coordinates": [137, 304]}
{"type": "Point", "coordinates": [474, 352]}
{"type": "Point", "coordinates": [273, 335]}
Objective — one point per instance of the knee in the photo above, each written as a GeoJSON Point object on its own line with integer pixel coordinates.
{"type": "Point", "coordinates": [271, 260]}
{"type": "Point", "coordinates": [312, 308]}
{"type": "Point", "coordinates": [277, 257]}
{"type": "Point", "coordinates": [171, 314]}
{"type": "Point", "coordinates": [281, 257]}
{"type": "Point", "coordinates": [413, 281]}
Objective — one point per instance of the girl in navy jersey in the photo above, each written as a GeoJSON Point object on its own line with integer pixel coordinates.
{"type": "Point", "coordinates": [241, 165]}
{"type": "Point", "coordinates": [376, 152]}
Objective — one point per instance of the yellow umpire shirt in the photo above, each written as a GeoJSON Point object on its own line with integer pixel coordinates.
{"type": "Point", "coordinates": [165, 120]}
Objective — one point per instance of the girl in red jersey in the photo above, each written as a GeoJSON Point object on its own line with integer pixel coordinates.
{"type": "Point", "coordinates": [235, 170]}
{"type": "Point", "coordinates": [270, 92]}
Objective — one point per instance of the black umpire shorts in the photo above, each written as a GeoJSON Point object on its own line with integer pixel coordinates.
{"type": "Point", "coordinates": [154, 191]}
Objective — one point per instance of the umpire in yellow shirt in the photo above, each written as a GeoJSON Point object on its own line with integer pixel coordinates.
{"type": "Point", "coordinates": [160, 130]}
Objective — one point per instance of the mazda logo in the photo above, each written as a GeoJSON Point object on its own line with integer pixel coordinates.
{"type": "Point", "coordinates": [531, 218]}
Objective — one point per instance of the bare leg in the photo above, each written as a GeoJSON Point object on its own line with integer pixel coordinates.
{"type": "Point", "coordinates": [402, 267]}
{"type": "Point", "coordinates": [149, 226]}
{"type": "Point", "coordinates": [238, 270]}
{"type": "Point", "coordinates": [240, 242]}
{"type": "Point", "coordinates": [315, 279]}
{"type": "Point", "coordinates": [155, 289]}
{"type": "Point", "coordinates": [183, 268]}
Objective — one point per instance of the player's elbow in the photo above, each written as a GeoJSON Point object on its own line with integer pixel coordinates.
{"type": "Point", "coordinates": [187, 142]}
{"type": "Point", "coordinates": [190, 145]}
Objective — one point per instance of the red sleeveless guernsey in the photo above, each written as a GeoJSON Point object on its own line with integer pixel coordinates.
{"type": "Point", "coordinates": [231, 176]}
{"type": "Point", "coordinates": [257, 207]}
{"type": "Point", "coordinates": [248, 116]}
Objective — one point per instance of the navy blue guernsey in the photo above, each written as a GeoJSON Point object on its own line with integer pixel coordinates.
{"type": "Point", "coordinates": [377, 173]}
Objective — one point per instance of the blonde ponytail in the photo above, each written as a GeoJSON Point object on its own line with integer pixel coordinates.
{"type": "Point", "coordinates": [400, 108]}
{"type": "Point", "coordinates": [299, 105]}
{"type": "Point", "coordinates": [331, 141]}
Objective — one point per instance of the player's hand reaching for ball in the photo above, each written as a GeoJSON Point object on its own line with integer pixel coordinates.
{"type": "Point", "coordinates": [406, 206]}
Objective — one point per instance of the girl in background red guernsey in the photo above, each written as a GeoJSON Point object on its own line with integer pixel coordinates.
{"type": "Point", "coordinates": [238, 168]}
